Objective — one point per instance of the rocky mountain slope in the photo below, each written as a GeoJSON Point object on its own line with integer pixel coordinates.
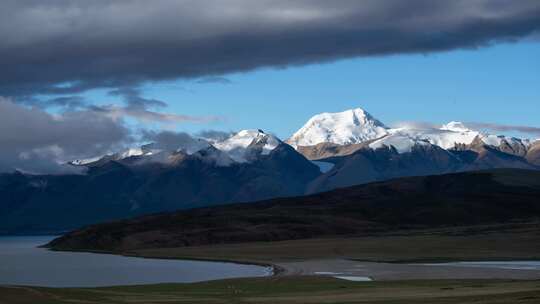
{"type": "Point", "coordinates": [533, 154]}
{"type": "Point", "coordinates": [385, 162]}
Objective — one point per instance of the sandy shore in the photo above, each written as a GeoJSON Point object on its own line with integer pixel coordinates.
{"type": "Point", "coordinates": [394, 271]}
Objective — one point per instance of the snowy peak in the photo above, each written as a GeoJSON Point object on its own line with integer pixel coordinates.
{"type": "Point", "coordinates": [446, 137]}
{"type": "Point", "coordinates": [463, 135]}
{"type": "Point", "coordinates": [357, 126]}
{"type": "Point", "coordinates": [245, 144]}
{"type": "Point", "coordinates": [401, 141]}
{"type": "Point", "coordinates": [131, 152]}
{"type": "Point", "coordinates": [342, 128]}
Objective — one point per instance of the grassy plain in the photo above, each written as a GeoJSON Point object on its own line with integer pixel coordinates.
{"type": "Point", "coordinates": [288, 290]}
{"type": "Point", "coordinates": [511, 242]}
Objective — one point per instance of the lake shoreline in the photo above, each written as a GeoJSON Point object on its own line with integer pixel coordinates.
{"type": "Point", "coordinates": [297, 268]}
{"type": "Point", "coordinates": [25, 261]}
{"type": "Point", "coordinates": [379, 254]}
{"type": "Point", "coordinates": [275, 269]}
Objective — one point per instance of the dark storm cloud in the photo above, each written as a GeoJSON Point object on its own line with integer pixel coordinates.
{"type": "Point", "coordinates": [65, 47]}
{"type": "Point", "coordinates": [35, 141]}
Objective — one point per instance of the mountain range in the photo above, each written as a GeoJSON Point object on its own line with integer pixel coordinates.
{"type": "Point", "coordinates": [357, 148]}
{"type": "Point", "coordinates": [332, 150]}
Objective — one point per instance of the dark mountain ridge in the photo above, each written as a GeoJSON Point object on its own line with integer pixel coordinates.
{"type": "Point", "coordinates": [366, 165]}
{"type": "Point", "coordinates": [131, 187]}
{"type": "Point", "coordinates": [458, 199]}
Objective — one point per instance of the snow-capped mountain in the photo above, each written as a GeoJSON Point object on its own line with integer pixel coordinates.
{"type": "Point", "coordinates": [145, 150]}
{"type": "Point", "coordinates": [130, 152]}
{"type": "Point", "coordinates": [242, 147]}
{"type": "Point", "coordinates": [449, 136]}
{"type": "Point", "coordinates": [324, 135]}
{"type": "Point", "coordinates": [356, 126]}
{"type": "Point", "coordinates": [446, 137]}
{"type": "Point", "coordinates": [347, 127]}
{"type": "Point", "coordinates": [247, 144]}
{"type": "Point", "coordinates": [362, 149]}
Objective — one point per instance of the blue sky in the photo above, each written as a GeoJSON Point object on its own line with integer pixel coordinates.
{"type": "Point", "coordinates": [497, 84]}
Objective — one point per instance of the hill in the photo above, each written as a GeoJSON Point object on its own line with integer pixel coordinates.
{"type": "Point", "coordinates": [459, 199]}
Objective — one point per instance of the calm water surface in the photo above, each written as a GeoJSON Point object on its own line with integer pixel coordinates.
{"type": "Point", "coordinates": [22, 263]}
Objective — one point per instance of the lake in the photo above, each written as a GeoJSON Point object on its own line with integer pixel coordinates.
{"type": "Point", "coordinates": [22, 263]}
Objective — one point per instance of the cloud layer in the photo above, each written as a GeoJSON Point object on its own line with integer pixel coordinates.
{"type": "Point", "coordinates": [35, 141]}
{"type": "Point", "coordinates": [505, 128]}
{"type": "Point", "coordinates": [140, 108]}
{"type": "Point", "coordinates": [63, 46]}
{"type": "Point", "coordinates": [172, 141]}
